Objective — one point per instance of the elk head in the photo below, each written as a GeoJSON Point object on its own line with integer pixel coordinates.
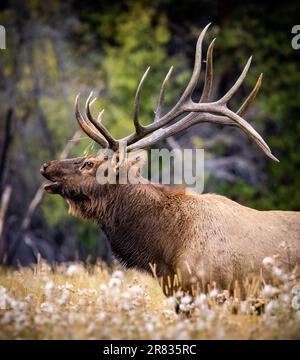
{"type": "Point", "coordinates": [76, 178]}
{"type": "Point", "coordinates": [66, 177]}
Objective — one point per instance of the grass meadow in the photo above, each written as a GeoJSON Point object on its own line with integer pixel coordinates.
{"type": "Point", "coordinates": [77, 301]}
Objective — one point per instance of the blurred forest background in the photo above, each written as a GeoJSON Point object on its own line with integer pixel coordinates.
{"type": "Point", "coordinates": [56, 49]}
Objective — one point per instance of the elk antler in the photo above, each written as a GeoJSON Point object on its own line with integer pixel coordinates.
{"type": "Point", "coordinates": [196, 112]}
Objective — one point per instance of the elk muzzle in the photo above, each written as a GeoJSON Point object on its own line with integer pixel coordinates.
{"type": "Point", "coordinates": [48, 171]}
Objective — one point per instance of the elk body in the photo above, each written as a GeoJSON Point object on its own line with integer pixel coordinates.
{"type": "Point", "coordinates": [201, 238]}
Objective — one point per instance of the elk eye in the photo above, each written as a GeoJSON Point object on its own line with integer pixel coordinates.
{"type": "Point", "coordinates": [88, 164]}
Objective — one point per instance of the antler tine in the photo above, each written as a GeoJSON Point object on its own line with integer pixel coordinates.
{"type": "Point", "coordinates": [243, 108]}
{"type": "Point", "coordinates": [224, 100]}
{"type": "Point", "coordinates": [161, 99]}
{"type": "Point", "coordinates": [197, 69]}
{"type": "Point", "coordinates": [206, 94]}
{"type": "Point", "coordinates": [245, 105]}
{"type": "Point", "coordinates": [87, 127]}
{"type": "Point", "coordinates": [221, 109]}
{"type": "Point", "coordinates": [99, 117]}
{"type": "Point", "coordinates": [138, 126]}
{"type": "Point", "coordinates": [265, 149]}
{"type": "Point", "coordinates": [98, 125]}
{"type": "Point", "coordinates": [246, 126]}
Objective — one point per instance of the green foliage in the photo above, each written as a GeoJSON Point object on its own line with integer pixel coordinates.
{"type": "Point", "coordinates": [137, 45]}
{"type": "Point", "coordinates": [54, 209]}
{"type": "Point", "coordinates": [89, 234]}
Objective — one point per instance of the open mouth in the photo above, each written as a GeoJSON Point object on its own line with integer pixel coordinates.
{"type": "Point", "coordinates": [52, 187]}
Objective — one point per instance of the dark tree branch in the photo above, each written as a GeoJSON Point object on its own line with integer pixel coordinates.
{"type": "Point", "coordinates": [5, 146]}
{"type": "Point", "coordinates": [5, 198]}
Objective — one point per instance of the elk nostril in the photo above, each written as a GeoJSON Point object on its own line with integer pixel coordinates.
{"type": "Point", "coordinates": [44, 167]}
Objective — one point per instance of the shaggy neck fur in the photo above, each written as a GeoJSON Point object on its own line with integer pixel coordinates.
{"type": "Point", "coordinates": [134, 220]}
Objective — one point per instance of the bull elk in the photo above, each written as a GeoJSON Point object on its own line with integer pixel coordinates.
{"type": "Point", "coordinates": [202, 238]}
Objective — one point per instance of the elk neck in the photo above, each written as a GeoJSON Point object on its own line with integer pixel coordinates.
{"type": "Point", "coordinates": [139, 221]}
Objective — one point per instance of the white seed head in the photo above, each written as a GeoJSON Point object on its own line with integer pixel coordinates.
{"type": "Point", "coordinates": [47, 307]}
{"type": "Point", "coordinates": [268, 262]}
{"type": "Point", "coordinates": [269, 291]}
{"type": "Point", "coordinates": [73, 270]}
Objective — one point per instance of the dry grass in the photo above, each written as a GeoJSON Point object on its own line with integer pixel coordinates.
{"type": "Point", "coordinates": [92, 302]}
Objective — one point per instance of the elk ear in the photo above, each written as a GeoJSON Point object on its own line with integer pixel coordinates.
{"type": "Point", "coordinates": [132, 162]}
{"type": "Point", "coordinates": [136, 160]}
